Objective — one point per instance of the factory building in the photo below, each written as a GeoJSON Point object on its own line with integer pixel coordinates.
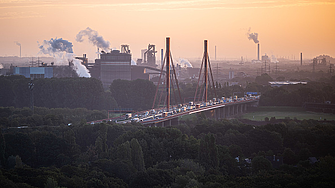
{"type": "Point", "coordinates": [112, 66]}
{"type": "Point", "coordinates": [33, 72]}
{"type": "Point", "coordinates": [148, 56]}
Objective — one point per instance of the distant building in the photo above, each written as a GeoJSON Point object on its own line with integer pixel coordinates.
{"type": "Point", "coordinates": [148, 56]}
{"type": "Point", "coordinates": [139, 72]}
{"type": "Point", "coordinates": [112, 66]}
{"type": "Point", "coordinates": [231, 74]}
{"type": "Point", "coordinates": [279, 84]}
{"type": "Point", "coordinates": [33, 72]}
{"type": "Point", "coordinates": [266, 58]}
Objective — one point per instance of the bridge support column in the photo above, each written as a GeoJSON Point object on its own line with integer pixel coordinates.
{"type": "Point", "coordinates": [217, 113]}
{"type": "Point", "coordinates": [174, 121]}
{"type": "Point", "coordinates": [229, 111]}
{"type": "Point", "coordinates": [223, 112]}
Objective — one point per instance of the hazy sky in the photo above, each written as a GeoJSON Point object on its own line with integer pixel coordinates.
{"type": "Point", "coordinates": [285, 28]}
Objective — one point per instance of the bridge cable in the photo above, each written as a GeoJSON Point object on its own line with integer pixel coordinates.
{"type": "Point", "coordinates": [175, 77]}
{"type": "Point", "coordinates": [196, 91]}
{"type": "Point", "coordinates": [210, 69]}
{"type": "Point", "coordinates": [160, 76]}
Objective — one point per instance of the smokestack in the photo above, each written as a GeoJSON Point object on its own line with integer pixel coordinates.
{"type": "Point", "coordinates": [98, 53]}
{"type": "Point", "coordinates": [258, 51]}
{"type": "Point", "coordinates": [215, 52]}
{"type": "Point", "coordinates": [162, 56]}
{"type": "Point", "coordinates": [17, 43]}
{"type": "Point", "coordinates": [300, 59]}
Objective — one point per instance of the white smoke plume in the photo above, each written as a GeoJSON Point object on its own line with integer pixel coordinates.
{"type": "Point", "coordinates": [274, 59]}
{"type": "Point", "coordinates": [56, 45]}
{"type": "Point", "coordinates": [94, 38]}
{"type": "Point", "coordinates": [80, 69]}
{"type": "Point", "coordinates": [253, 36]}
{"type": "Point", "coordinates": [185, 63]}
{"type": "Point", "coordinates": [62, 51]}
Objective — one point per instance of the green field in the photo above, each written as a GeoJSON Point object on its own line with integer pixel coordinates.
{"type": "Point", "coordinates": [260, 113]}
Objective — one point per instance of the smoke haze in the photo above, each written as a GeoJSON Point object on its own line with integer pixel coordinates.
{"type": "Point", "coordinates": [253, 36]}
{"type": "Point", "coordinates": [93, 37]}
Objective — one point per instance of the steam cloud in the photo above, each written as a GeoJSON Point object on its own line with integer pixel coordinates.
{"type": "Point", "coordinates": [56, 45]}
{"type": "Point", "coordinates": [274, 59]}
{"type": "Point", "coordinates": [93, 37]}
{"type": "Point", "coordinates": [184, 63]}
{"type": "Point", "coordinates": [17, 43]}
{"type": "Point", "coordinates": [62, 51]}
{"type": "Point", "coordinates": [253, 36]}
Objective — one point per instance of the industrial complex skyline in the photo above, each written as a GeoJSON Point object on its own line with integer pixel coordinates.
{"type": "Point", "coordinates": [284, 28]}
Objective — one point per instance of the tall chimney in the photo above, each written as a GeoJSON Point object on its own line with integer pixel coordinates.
{"type": "Point", "coordinates": [215, 52]}
{"type": "Point", "coordinates": [98, 53]}
{"type": "Point", "coordinates": [258, 51]}
{"type": "Point", "coordinates": [301, 59]}
{"type": "Point", "coordinates": [162, 56]}
{"type": "Point", "coordinates": [20, 50]}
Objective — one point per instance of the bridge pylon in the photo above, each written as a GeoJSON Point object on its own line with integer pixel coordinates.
{"type": "Point", "coordinates": [170, 79]}
{"type": "Point", "coordinates": [207, 78]}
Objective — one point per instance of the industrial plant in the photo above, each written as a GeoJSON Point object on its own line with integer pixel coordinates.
{"type": "Point", "coordinates": [116, 64]}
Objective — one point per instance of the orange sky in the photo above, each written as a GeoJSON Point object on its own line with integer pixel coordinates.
{"type": "Point", "coordinates": [285, 28]}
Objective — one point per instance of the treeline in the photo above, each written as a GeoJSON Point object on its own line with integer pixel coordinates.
{"type": "Point", "coordinates": [137, 94]}
{"type": "Point", "coordinates": [18, 117]}
{"type": "Point", "coordinates": [76, 93]}
{"type": "Point", "coordinates": [199, 153]}
{"type": "Point", "coordinates": [55, 93]}
{"type": "Point", "coordinates": [297, 95]}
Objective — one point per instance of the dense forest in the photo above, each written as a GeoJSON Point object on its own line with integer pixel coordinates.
{"type": "Point", "coordinates": [198, 153]}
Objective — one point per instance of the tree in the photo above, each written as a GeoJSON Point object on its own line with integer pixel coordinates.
{"type": "Point", "coordinates": [124, 151]}
{"type": "Point", "coordinates": [137, 155]}
{"type": "Point", "coordinates": [18, 162]}
{"type": "Point", "coordinates": [260, 163]}
{"type": "Point", "coordinates": [137, 94]}
{"type": "Point", "coordinates": [2, 150]}
{"type": "Point", "coordinates": [208, 151]}
{"type": "Point", "coordinates": [289, 157]}
{"type": "Point", "coordinates": [51, 183]}
{"type": "Point", "coordinates": [264, 79]}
